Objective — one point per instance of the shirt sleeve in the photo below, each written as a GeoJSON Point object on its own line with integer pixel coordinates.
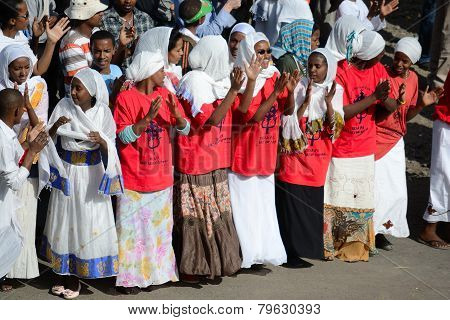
{"type": "Point", "coordinates": [377, 23]}
{"type": "Point", "coordinates": [73, 59]}
{"type": "Point", "coordinates": [10, 172]}
{"type": "Point", "coordinates": [122, 115]}
{"type": "Point", "coordinates": [215, 23]}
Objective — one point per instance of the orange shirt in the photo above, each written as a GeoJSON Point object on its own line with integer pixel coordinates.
{"type": "Point", "coordinates": [147, 162]}
{"type": "Point", "coordinates": [358, 137]}
{"type": "Point", "coordinates": [255, 144]}
{"type": "Point", "coordinates": [206, 148]}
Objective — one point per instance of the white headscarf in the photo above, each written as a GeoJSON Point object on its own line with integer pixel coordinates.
{"type": "Point", "coordinates": [241, 27]}
{"type": "Point", "coordinates": [317, 108]}
{"type": "Point", "coordinates": [244, 57]}
{"type": "Point", "coordinates": [154, 40]}
{"type": "Point", "coordinates": [209, 79]}
{"type": "Point", "coordinates": [345, 38]}
{"type": "Point", "coordinates": [411, 47]}
{"type": "Point", "coordinates": [98, 118]}
{"type": "Point", "coordinates": [372, 45]}
{"type": "Point", "coordinates": [144, 65]}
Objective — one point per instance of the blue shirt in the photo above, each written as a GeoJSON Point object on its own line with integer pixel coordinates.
{"type": "Point", "coordinates": [109, 78]}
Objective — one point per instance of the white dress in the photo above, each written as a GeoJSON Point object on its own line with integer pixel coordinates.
{"type": "Point", "coordinates": [391, 195]}
{"type": "Point", "coordinates": [438, 209]}
{"type": "Point", "coordinates": [80, 234]}
{"type": "Point", "coordinates": [255, 219]}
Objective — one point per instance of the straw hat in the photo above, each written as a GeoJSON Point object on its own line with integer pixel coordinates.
{"type": "Point", "coordinates": [84, 9]}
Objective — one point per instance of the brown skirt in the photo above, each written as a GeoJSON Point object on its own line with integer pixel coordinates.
{"type": "Point", "coordinates": [204, 237]}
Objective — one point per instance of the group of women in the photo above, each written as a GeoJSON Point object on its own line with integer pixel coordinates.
{"type": "Point", "coordinates": [216, 172]}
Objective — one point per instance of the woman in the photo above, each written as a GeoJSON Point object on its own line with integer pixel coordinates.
{"type": "Point", "coordinates": [306, 148]}
{"type": "Point", "coordinates": [237, 34]}
{"type": "Point", "coordinates": [80, 237]}
{"type": "Point", "coordinates": [144, 116]}
{"type": "Point", "coordinates": [256, 121]}
{"type": "Point", "coordinates": [205, 239]}
{"type": "Point", "coordinates": [170, 43]}
{"type": "Point", "coordinates": [391, 197]}
{"type": "Point", "coordinates": [345, 38]}
{"type": "Point", "coordinates": [349, 190]}
{"type": "Point", "coordinates": [16, 68]}
{"type": "Point", "coordinates": [295, 42]}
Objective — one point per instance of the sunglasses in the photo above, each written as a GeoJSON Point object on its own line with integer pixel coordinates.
{"type": "Point", "coordinates": [262, 51]}
{"type": "Point", "coordinates": [25, 16]}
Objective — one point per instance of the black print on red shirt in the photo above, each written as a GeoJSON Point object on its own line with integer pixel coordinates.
{"type": "Point", "coordinates": [313, 137]}
{"type": "Point", "coordinates": [153, 138]}
{"type": "Point", "coordinates": [270, 119]}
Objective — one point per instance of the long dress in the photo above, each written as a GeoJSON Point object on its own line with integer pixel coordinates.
{"type": "Point", "coordinates": [80, 236]}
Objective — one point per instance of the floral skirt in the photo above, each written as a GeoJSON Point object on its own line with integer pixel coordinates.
{"type": "Point", "coordinates": [144, 228]}
{"type": "Point", "coordinates": [205, 238]}
{"type": "Point", "coordinates": [348, 209]}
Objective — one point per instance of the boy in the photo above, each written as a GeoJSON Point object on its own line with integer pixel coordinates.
{"type": "Point", "coordinates": [14, 170]}
{"type": "Point", "coordinates": [102, 48]}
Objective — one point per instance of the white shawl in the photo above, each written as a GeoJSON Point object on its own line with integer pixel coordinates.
{"type": "Point", "coordinates": [209, 79]}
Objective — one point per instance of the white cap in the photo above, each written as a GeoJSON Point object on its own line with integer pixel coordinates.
{"type": "Point", "coordinates": [84, 9]}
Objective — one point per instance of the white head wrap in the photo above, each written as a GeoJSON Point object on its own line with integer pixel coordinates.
{"type": "Point", "coordinates": [8, 55]}
{"type": "Point", "coordinates": [411, 47]}
{"type": "Point", "coordinates": [372, 45]}
{"type": "Point", "coordinates": [209, 79]}
{"type": "Point", "coordinates": [144, 65]}
{"type": "Point", "coordinates": [345, 38]}
{"type": "Point", "coordinates": [242, 27]}
{"type": "Point", "coordinates": [244, 57]}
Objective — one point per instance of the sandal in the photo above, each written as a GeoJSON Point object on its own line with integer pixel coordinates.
{"type": "Point", "coordinates": [69, 294]}
{"type": "Point", "coordinates": [57, 290]}
{"type": "Point", "coordinates": [6, 288]}
{"type": "Point", "coordinates": [435, 244]}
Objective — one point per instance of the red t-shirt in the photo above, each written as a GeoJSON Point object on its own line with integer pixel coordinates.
{"type": "Point", "coordinates": [255, 144]}
{"type": "Point", "coordinates": [147, 162]}
{"type": "Point", "coordinates": [391, 127]}
{"type": "Point", "coordinates": [358, 137]}
{"type": "Point", "coordinates": [310, 167]}
{"type": "Point", "coordinates": [206, 148]}
{"type": "Point", "coordinates": [442, 109]}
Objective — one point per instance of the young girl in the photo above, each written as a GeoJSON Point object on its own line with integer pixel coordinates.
{"type": "Point", "coordinates": [254, 152]}
{"type": "Point", "coordinates": [237, 34]}
{"type": "Point", "coordinates": [169, 42]}
{"type": "Point", "coordinates": [80, 235]}
{"type": "Point", "coordinates": [16, 68]}
{"type": "Point", "coordinates": [438, 209]}
{"type": "Point", "coordinates": [205, 239]}
{"type": "Point", "coordinates": [391, 197]}
{"type": "Point", "coordinates": [349, 190]}
{"type": "Point", "coordinates": [145, 115]}
{"type": "Point", "coordinates": [306, 147]}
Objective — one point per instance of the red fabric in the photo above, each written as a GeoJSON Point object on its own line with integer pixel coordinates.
{"type": "Point", "coordinates": [358, 138]}
{"type": "Point", "coordinates": [442, 109]}
{"type": "Point", "coordinates": [310, 167]}
{"type": "Point", "coordinates": [255, 145]}
{"type": "Point", "coordinates": [147, 162]}
{"type": "Point", "coordinates": [392, 127]}
{"type": "Point", "coordinates": [206, 148]}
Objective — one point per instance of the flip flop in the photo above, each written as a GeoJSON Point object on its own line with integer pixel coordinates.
{"type": "Point", "coordinates": [58, 290]}
{"type": "Point", "coordinates": [6, 288]}
{"type": "Point", "coordinates": [435, 244]}
{"type": "Point", "coordinates": [69, 294]}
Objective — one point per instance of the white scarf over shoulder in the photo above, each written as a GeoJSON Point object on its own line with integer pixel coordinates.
{"type": "Point", "coordinates": [99, 119]}
{"type": "Point", "coordinates": [209, 79]}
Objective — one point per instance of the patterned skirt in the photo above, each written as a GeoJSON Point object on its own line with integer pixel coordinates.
{"type": "Point", "coordinates": [348, 209]}
{"type": "Point", "coordinates": [144, 228]}
{"type": "Point", "coordinates": [205, 238]}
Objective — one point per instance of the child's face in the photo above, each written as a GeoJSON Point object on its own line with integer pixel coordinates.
{"type": "Point", "coordinates": [176, 53]}
{"type": "Point", "coordinates": [102, 53]}
{"type": "Point", "coordinates": [315, 37]}
{"type": "Point", "coordinates": [317, 68]}
{"type": "Point", "coordinates": [79, 93]}
{"type": "Point", "coordinates": [158, 77]}
{"type": "Point", "coordinates": [233, 44]}
{"type": "Point", "coordinates": [262, 49]}
{"type": "Point", "coordinates": [401, 63]}
{"type": "Point", "coordinates": [19, 70]}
